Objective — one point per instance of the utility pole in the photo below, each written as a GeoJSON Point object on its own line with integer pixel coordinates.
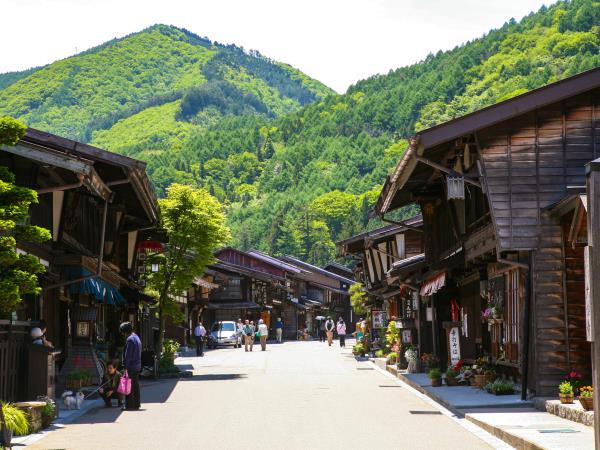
{"type": "Point", "coordinates": [593, 305]}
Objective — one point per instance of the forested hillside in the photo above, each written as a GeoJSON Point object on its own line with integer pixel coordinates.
{"type": "Point", "coordinates": [295, 179]}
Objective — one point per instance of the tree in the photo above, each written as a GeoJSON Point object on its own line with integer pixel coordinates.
{"type": "Point", "coordinates": [18, 272]}
{"type": "Point", "coordinates": [358, 298]}
{"type": "Point", "coordinates": [195, 226]}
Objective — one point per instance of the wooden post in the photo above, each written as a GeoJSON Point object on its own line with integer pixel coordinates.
{"type": "Point", "coordinates": [593, 198]}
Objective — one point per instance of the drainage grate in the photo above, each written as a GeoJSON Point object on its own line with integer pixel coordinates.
{"type": "Point", "coordinates": [424, 412]}
{"type": "Point", "coordinates": [364, 368]}
{"type": "Point", "coordinates": [559, 430]}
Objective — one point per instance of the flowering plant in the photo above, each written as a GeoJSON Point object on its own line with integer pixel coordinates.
{"type": "Point", "coordinates": [459, 365]}
{"type": "Point", "coordinates": [586, 391]}
{"type": "Point", "coordinates": [430, 359]}
{"type": "Point", "coordinates": [574, 379]}
{"type": "Point", "coordinates": [487, 313]}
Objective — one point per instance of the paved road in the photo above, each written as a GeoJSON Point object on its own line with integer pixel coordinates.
{"type": "Point", "coordinates": [297, 395]}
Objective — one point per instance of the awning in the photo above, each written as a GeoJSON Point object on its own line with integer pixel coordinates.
{"type": "Point", "coordinates": [94, 287]}
{"type": "Point", "coordinates": [201, 282]}
{"type": "Point", "coordinates": [434, 284]}
{"type": "Point", "coordinates": [231, 305]}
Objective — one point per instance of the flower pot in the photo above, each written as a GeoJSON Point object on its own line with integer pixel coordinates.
{"type": "Point", "coordinates": [5, 436]}
{"type": "Point", "coordinates": [587, 403]}
{"type": "Point", "coordinates": [566, 398]}
{"type": "Point", "coordinates": [489, 378]}
{"type": "Point", "coordinates": [46, 421]}
{"type": "Point", "coordinates": [436, 382]}
{"type": "Point", "coordinates": [451, 381]}
{"type": "Point", "coordinates": [478, 381]}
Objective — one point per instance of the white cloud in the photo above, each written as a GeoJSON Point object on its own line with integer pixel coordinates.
{"type": "Point", "coordinates": [335, 41]}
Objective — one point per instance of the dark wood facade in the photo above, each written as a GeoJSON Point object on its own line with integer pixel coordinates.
{"type": "Point", "coordinates": [94, 203]}
{"type": "Point", "coordinates": [521, 157]}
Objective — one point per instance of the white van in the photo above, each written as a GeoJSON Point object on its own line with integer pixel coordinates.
{"type": "Point", "coordinates": [224, 332]}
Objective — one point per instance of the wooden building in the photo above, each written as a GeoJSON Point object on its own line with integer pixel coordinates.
{"type": "Point", "coordinates": [386, 260]}
{"type": "Point", "coordinates": [94, 203]}
{"type": "Point", "coordinates": [487, 183]}
{"type": "Point", "coordinates": [326, 292]}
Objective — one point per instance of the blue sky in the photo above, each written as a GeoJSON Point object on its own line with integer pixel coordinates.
{"type": "Point", "coordinates": [336, 41]}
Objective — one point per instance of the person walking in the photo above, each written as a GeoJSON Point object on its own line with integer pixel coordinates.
{"type": "Point", "coordinates": [341, 331]}
{"type": "Point", "coordinates": [132, 362]}
{"type": "Point", "coordinates": [239, 329]}
{"type": "Point", "coordinates": [279, 330]}
{"type": "Point", "coordinates": [248, 333]}
{"type": "Point", "coordinates": [254, 331]}
{"type": "Point", "coordinates": [199, 335]}
{"type": "Point", "coordinates": [263, 333]}
{"type": "Point", "coordinates": [329, 327]}
{"type": "Point", "coordinates": [322, 330]}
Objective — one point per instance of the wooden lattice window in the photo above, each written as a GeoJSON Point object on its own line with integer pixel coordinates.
{"type": "Point", "coordinates": [512, 315]}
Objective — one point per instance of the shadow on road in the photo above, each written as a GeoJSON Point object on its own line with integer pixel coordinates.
{"type": "Point", "coordinates": [218, 377]}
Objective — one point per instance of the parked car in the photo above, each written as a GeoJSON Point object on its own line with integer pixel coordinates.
{"type": "Point", "coordinates": [224, 332]}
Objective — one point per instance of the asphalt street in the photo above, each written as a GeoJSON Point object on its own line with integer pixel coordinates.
{"type": "Point", "coordinates": [296, 395]}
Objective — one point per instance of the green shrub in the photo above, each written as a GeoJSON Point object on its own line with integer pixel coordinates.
{"type": "Point", "coordinates": [15, 419]}
{"type": "Point", "coordinates": [565, 388]}
{"type": "Point", "coordinates": [451, 373]}
{"type": "Point", "coordinates": [380, 353]}
{"type": "Point", "coordinates": [435, 374]}
{"type": "Point", "coordinates": [391, 358]}
{"type": "Point", "coordinates": [500, 387]}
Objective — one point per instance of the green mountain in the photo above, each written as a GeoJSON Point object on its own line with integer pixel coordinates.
{"type": "Point", "coordinates": [297, 166]}
{"type": "Point", "coordinates": [161, 70]}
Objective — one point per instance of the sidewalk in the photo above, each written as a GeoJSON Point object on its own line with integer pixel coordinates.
{"type": "Point", "coordinates": [507, 417]}
{"type": "Point", "coordinates": [65, 416]}
{"type": "Point", "coordinates": [462, 397]}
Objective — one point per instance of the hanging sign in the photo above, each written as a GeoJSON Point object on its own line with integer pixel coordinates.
{"type": "Point", "coordinates": [454, 341]}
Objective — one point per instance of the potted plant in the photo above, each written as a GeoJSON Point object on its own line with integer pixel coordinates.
{"type": "Point", "coordinates": [435, 375]}
{"type": "Point", "coordinates": [500, 387]}
{"type": "Point", "coordinates": [48, 412]}
{"type": "Point", "coordinates": [391, 358]}
{"type": "Point", "coordinates": [451, 375]}
{"type": "Point", "coordinates": [358, 349]}
{"type": "Point", "coordinates": [12, 421]}
{"type": "Point", "coordinates": [429, 361]}
{"type": "Point", "coordinates": [565, 392]}
{"type": "Point", "coordinates": [479, 368]}
{"type": "Point", "coordinates": [586, 397]}
{"type": "Point", "coordinates": [77, 378]}
{"type": "Point", "coordinates": [574, 378]}
{"type": "Point", "coordinates": [490, 375]}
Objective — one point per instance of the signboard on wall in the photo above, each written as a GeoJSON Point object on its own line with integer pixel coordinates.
{"type": "Point", "coordinates": [454, 343]}
{"type": "Point", "coordinates": [379, 319]}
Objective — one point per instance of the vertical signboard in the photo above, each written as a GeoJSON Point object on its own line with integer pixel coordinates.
{"type": "Point", "coordinates": [454, 341]}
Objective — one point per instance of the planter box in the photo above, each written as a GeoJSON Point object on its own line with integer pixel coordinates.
{"type": "Point", "coordinates": [566, 399]}
{"type": "Point", "coordinates": [587, 403]}
{"type": "Point", "coordinates": [478, 381]}
{"type": "Point", "coordinates": [437, 382]}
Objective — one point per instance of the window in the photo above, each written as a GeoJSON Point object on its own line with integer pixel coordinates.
{"type": "Point", "coordinates": [512, 315]}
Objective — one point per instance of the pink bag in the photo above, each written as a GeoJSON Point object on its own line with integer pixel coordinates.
{"type": "Point", "coordinates": [124, 384]}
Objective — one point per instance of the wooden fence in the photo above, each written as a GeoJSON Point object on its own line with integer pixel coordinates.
{"type": "Point", "coordinates": [13, 377]}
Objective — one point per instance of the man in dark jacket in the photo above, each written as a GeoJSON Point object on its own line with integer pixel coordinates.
{"type": "Point", "coordinates": [132, 362]}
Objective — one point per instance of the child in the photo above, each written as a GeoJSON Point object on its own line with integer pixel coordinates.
{"type": "Point", "coordinates": [111, 378]}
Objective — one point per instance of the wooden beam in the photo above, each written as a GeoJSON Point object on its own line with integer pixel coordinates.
{"type": "Point", "coordinates": [593, 198]}
{"type": "Point", "coordinates": [446, 170]}
{"type": "Point", "coordinates": [51, 158]}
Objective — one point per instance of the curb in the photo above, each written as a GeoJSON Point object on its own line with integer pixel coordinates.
{"type": "Point", "coordinates": [511, 439]}
{"type": "Point", "coordinates": [433, 397]}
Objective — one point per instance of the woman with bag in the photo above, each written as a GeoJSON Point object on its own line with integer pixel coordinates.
{"type": "Point", "coordinates": [132, 362]}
